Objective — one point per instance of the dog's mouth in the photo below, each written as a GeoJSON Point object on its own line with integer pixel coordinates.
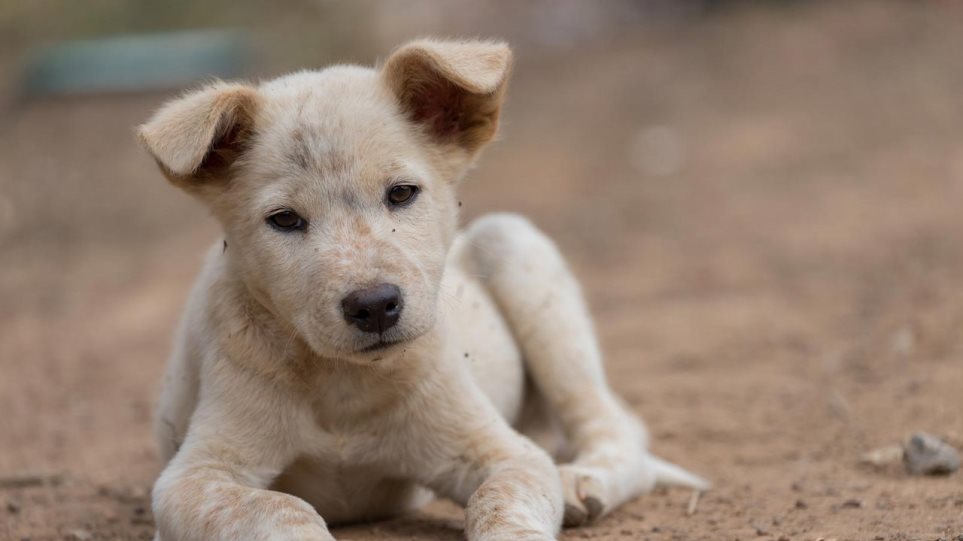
{"type": "Point", "coordinates": [388, 344]}
{"type": "Point", "coordinates": [380, 345]}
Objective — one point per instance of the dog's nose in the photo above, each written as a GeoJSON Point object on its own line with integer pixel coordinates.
{"type": "Point", "coordinates": [374, 309]}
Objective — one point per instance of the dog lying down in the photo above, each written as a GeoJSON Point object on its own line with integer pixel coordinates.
{"type": "Point", "coordinates": [347, 353]}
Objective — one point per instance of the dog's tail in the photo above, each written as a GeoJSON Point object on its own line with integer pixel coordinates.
{"type": "Point", "coordinates": [667, 473]}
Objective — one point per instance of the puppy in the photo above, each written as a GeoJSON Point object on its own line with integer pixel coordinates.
{"type": "Point", "coordinates": [346, 353]}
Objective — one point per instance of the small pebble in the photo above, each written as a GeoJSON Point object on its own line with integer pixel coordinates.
{"type": "Point", "coordinates": [13, 507]}
{"type": "Point", "coordinates": [882, 456]}
{"type": "Point", "coordinates": [925, 454]}
{"type": "Point", "coordinates": [852, 504]}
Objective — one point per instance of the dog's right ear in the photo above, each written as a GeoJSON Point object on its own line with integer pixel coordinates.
{"type": "Point", "coordinates": [197, 137]}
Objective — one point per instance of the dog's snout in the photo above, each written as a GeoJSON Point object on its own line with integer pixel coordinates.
{"type": "Point", "coordinates": [373, 309]}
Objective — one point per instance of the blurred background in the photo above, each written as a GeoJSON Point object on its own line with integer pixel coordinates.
{"type": "Point", "coordinates": [761, 198]}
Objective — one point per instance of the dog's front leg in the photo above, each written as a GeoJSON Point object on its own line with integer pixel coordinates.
{"type": "Point", "coordinates": [510, 488]}
{"type": "Point", "coordinates": [519, 499]}
{"type": "Point", "coordinates": [215, 486]}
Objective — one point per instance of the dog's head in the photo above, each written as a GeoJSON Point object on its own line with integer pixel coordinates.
{"type": "Point", "coordinates": [336, 188]}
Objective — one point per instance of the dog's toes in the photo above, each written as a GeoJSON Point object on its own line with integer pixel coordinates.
{"type": "Point", "coordinates": [595, 508]}
{"type": "Point", "coordinates": [592, 492]}
{"type": "Point", "coordinates": [575, 512]}
{"type": "Point", "coordinates": [584, 495]}
{"type": "Point", "coordinates": [574, 515]}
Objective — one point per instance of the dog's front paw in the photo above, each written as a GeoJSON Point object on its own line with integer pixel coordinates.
{"type": "Point", "coordinates": [246, 515]}
{"type": "Point", "coordinates": [296, 521]}
{"type": "Point", "coordinates": [513, 536]}
{"type": "Point", "coordinates": [586, 494]}
{"type": "Point", "coordinates": [306, 533]}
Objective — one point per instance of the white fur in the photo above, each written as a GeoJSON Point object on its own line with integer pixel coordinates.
{"type": "Point", "coordinates": [273, 419]}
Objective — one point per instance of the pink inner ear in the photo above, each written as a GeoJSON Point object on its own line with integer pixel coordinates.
{"type": "Point", "coordinates": [438, 105]}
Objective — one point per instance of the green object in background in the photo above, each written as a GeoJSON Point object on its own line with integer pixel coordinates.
{"type": "Point", "coordinates": [135, 63]}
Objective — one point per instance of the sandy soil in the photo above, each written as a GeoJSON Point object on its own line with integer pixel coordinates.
{"type": "Point", "coordinates": [764, 207]}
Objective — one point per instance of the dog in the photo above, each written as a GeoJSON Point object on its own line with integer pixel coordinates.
{"type": "Point", "coordinates": [347, 353]}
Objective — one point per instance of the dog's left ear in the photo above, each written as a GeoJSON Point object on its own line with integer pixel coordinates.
{"type": "Point", "coordinates": [453, 89]}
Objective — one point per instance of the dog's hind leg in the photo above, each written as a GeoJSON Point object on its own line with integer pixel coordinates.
{"type": "Point", "coordinates": [543, 304]}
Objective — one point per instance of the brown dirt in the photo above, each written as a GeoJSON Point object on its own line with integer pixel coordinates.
{"type": "Point", "coordinates": [779, 297]}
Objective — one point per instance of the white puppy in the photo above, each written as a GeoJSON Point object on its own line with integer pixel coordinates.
{"type": "Point", "coordinates": [346, 349]}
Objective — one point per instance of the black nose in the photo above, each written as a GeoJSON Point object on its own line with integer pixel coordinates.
{"type": "Point", "coordinates": [374, 309]}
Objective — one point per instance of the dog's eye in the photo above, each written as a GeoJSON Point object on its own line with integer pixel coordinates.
{"type": "Point", "coordinates": [401, 194]}
{"type": "Point", "coordinates": [287, 220]}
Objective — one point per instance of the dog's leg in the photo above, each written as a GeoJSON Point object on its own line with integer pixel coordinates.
{"type": "Point", "coordinates": [543, 303]}
{"type": "Point", "coordinates": [215, 486]}
{"type": "Point", "coordinates": [466, 451]}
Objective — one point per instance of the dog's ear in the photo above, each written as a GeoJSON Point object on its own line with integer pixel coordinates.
{"type": "Point", "coordinates": [453, 89]}
{"type": "Point", "coordinates": [199, 135]}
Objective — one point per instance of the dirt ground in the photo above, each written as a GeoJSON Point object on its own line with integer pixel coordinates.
{"type": "Point", "coordinates": [764, 207]}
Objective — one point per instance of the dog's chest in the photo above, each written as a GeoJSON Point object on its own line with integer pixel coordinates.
{"type": "Point", "coordinates": [342, 487]}
{"type": "Point", "coordinates": [350, 420]}
{"type": "Point", "coordinates": [336, 445]}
